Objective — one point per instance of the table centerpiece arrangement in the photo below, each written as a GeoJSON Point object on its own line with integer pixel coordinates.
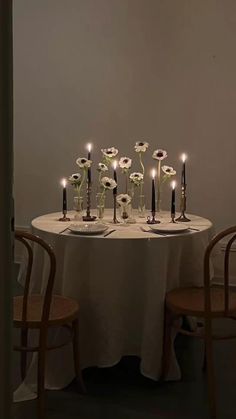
{"type": "Point", "coordinates": [107, 180]}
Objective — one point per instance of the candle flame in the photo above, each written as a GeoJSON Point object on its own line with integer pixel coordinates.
{"type": "Point", "coordinates": [153, 173]}
{"type": "Point", "coordinates": [64, 182]}
{"type": "Point", "coordinates": [89, 147]}
{"type": "Point", "coordinates": [184, 157]}
{"type": "Point", "coordinates": [114, 164]}
{"type": "Point", "coordinates": [173, 184]}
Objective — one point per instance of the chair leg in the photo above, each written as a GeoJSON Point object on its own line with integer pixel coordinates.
{"type": "Point", "coordinates": [204, 364]}
{"type": "Point", "coordinates": [210, 369]}
{"type": "Point", "coordinates": [41, 377]}
{"type": "Point", "coordinates": [24, 340]}
{"type": "Point", "coordinates": [78, 373]}
{"type": "Point", "coordinates": [166, 353]}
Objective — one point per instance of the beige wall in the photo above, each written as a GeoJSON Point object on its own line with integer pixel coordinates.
{"type": "Point", "coordinates": [119, 71]}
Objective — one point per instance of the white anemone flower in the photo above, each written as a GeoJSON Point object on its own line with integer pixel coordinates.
{"type": "Point", "coordinates": [109, 152]}
{"type": "Point", "coordinates": [141, 146]}
{"type": "Point", "coordinates": [108, 183]}
{"type": "Point", "coordinates": [83, 162]}
{"type": "Point", "coordinates": [123, 199]}
{"type": "Point", "coordinates": [168, 170]}
{"type": "Point", "coordinates": [75, 179]}
{"type": "Point", "coordinates": [125, 163]}
{"type": "Point", "coordinates": [136, 178]}
{"type": "Point", "coordinates": [159, 154]}
{"type": "Point", "coordinates": [102, 167]}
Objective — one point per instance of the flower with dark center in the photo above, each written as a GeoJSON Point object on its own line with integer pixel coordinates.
{"type": "Point", "coordinates": [136, 178]}
{"type": "Point", "coordinates": [102, 167]}
{"type": "Point", "coordinates": [168, 170]}
{"type": "Point", "coordinates": [125, 163]}
{"type": "Point", "coordinates": [109, 152]}
{"type": "Point", "coordinates": [141, 146]}
{"type": "Point", "coordinates": [159, 154]}
{"type": "Point", "coordinates": [108, 183]}
{"type": "Point", "coordinates": [123, 199]}
{"type": "Point", "coordinates": [75, 179]}
{"type": "Point", "coordinates": [83, 162]}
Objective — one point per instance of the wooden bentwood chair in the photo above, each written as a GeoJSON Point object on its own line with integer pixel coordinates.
{"type": "Point", "coordinates": [42, 312]}
{"type": "Point", "coordinates": [208, 303]}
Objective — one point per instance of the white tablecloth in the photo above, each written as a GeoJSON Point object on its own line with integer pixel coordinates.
{"type": "Point", "coordinates": [120, 282]}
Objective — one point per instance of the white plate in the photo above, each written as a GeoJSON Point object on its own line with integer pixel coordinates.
{"type": "Point", "coordinates": [87, 229]}
{"type": "Point", "coordinates": [169, 228]}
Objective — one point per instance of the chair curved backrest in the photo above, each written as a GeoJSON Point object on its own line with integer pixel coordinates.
{"type": "Point", "coordinates": [27, 239]}
{"type": "Point", "coordinates": [231, 231]}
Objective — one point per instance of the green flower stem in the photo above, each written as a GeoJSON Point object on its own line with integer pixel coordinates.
{"type": "Point", "coordinates": [141, 188]}
{"type": "Point", "coordinates": [159, 186]}
{"type": "Point", "coordinates": [132, 191]}
{"type": "Point", "coordinates": [126, 181]}
{"type": "Point", "coordinates": [99, 178]}
{"type": "Point", "coordinates": [142, 165]}
{"type": "Point", "coordinates": [141, 162]}
{"type": "Point", "coordinates": [102, 197]}
{"type": "Point", "coordinates": [77, 188]}
{"type": "Point", "coordinates": [81, 184]}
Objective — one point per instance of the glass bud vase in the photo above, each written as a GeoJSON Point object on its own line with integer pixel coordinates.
{"type": "Point", "coordinates": [78, 207]}
{"type": "Point", "coordinates": [125, 211]}
{"type": "Point", "coordinates": [100, 199]}
{"type": "Point", "coordinates": [131, 219]}
{"type": "Point", "coordinates": [141, 206]}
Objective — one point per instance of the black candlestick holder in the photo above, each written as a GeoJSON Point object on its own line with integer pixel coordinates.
{"type": "Point", "coordinates": [88, 216]}
{"type": "Point", "coordinates": [182, 217]}
{"type": "Point", "coordinates": [173, 218]}
{"type": "Point", "coordinates": [64, 218]}
{"type": "Point", "coordinates": [115, 221]}
{"type": "Point", "coordinates": [152, 220]}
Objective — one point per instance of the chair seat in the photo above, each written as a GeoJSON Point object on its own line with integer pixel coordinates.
{"type": "Point", "coordinates": [63, 310]}
{"type": "Point", "coordinates": [190, 301]}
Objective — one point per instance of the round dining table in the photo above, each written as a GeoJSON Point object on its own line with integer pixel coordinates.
{"type": "Point", "coordinates": [120, 281]}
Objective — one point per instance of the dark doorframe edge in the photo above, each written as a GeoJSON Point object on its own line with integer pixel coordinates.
{"type": "Point", "coordinates": [6, 205]}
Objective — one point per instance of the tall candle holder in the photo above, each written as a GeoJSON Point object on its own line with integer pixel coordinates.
{"type": "Point", "coordinates": [115, 221]}
{"type": "Point", "coordinates": [153, 211]}
{"type": "Point", "coordinates": [152, 220]}
{"type": "Point", "coordinates": [88, 216]}
{"type": "Point", "coordinates": [172, 214]}
{"type": "Point", "coordinates": [64, 202]}
{"type": "Point", "coordinates": [64, 218]}
{"type": "Point", "coordinates": [182, 217]}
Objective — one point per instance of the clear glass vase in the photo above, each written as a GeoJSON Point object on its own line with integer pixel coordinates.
{"type": "Point", "coordinates": [131, 219]}
{"type": "Point", "coordinates": [141, 206]}
{"type": "Point", "coordinates": [100, 199]}
{"type": "Point", "coordinates": [125, 211]}
{"type": "Point", "coordinates": [78, 207]}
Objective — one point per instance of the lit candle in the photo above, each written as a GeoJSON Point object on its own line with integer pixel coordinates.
{"type": "Point", "coordinates": [89, 148]}
{"type": "Point", "coordinates": [173, 185]}
{"type": "Point", "coordinates": [153, 173]}
{"type": "Point", "coordinates": [64, 197]}
{"type": "Point", "coordinates": [115, 176]}
{"type": "Point", "coordinates": [183, 175]}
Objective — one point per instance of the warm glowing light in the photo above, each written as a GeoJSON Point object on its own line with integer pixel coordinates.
{"type": "Point", "coordinates": [173, 184]}
{"type": "Point", "coordinates": [153, 173]}
{"type": "Point", "coordinates": [183, 157]}
{"type": "Point", "coordinates": [89, 147]}
{"type": "Point", "coordinates": [114, 164]}
{"type": "Point", "coordinates": [64, 182]}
